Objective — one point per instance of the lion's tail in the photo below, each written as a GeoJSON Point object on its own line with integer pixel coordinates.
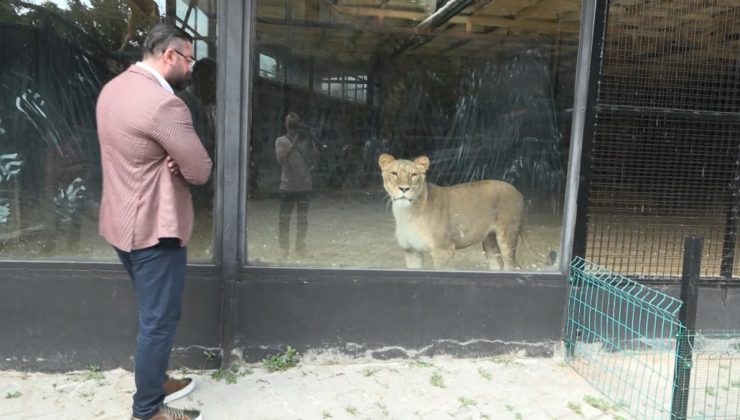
{"type": "Point", "coordinates": [549, 260]}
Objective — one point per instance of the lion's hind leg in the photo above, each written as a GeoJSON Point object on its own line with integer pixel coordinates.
{"type": "Point", "coordinates": [507, 239]}
{"type": "Point", "coordinates": [493, 254]}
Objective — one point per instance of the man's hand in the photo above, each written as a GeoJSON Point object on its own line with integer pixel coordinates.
{"type": "Point", "coordinates": [172, 166]}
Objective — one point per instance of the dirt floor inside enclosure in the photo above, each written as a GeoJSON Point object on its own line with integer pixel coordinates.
{"type": "Point", "coordinates": [357, 231]}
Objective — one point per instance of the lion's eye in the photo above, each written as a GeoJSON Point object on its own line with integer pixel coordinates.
{"type": "Point", "coordinates": [394, 173]}
{"type": "Point", "coordinates": [414, 175]}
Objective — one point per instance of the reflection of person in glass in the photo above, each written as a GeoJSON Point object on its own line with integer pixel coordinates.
{"type": "Point", "coordinates": [149, 155]}
{"type": "Point", "coordinates": [200, 97]}
{"type": "Point", "coordinates": [297, 155]}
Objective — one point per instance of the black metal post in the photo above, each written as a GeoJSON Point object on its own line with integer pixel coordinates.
{"type": "Point", "coordinates": [731, 217]}
{"type": "Point", "coordinates": [589, 126]}
{"type": "Point", "coordinates": [684, 343]}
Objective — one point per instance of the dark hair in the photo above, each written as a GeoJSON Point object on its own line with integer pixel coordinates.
{"type": "Point", "coordinates": [204, 66]}
{"type": "Point", "coordinates": [292, 121]}
{"type": "Point", "coordinates": [160, 38]}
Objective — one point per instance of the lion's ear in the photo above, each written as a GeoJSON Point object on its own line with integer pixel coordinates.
{"type": "Point", "coordinates": [423, 161]}
{"type": "Point", "coordinates": [385, 159]}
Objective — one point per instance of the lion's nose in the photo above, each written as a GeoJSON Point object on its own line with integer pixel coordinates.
{"type": "Point", "coordinates": [403, 190]}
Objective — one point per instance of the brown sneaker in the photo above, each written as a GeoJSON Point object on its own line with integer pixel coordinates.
{"type": "Point", "coordinates": [177, 388]}
{"type": "Point", "coordinates": [170, 413]}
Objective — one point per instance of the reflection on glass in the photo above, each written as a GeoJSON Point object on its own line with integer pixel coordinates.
{"type": "Point", "coordinates": [448, 96]}
{"type": "Point", "coordinates": [56, 57]}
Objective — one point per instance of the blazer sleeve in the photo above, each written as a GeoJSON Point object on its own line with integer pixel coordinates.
{"type": "Point", "coordinates": [173, 130]}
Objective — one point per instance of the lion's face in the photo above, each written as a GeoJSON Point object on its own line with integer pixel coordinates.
{"type": "Point", "coordinates": [403, 180]}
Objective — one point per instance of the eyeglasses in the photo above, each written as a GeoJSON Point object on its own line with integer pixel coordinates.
{"type": "Point", "coordinates": [191, 60]}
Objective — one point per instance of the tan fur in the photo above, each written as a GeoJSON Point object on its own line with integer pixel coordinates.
{"type": "Point", "coordinates": [438, 220]}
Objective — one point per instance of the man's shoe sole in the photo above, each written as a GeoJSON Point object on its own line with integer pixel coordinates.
{"type": "Point", "coordinates": [181, 393]}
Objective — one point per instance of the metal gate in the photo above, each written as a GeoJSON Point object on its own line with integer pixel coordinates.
{"type": "Point", "coordinates": [665, 156]}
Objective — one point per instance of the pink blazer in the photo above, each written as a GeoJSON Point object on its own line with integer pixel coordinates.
{"type": "Point", "coordinates": [139, 125]}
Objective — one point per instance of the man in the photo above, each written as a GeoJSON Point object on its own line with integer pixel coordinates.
{"type": "Point", "coordinates": [149, 155]}
{"type": "Point", "coordinates": [297, 156]}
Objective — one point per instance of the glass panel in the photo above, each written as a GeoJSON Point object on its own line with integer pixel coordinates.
{"type": "Point", "coordinates": [56, 57]}
{"type": "Point", "coordinates": [438, 94]}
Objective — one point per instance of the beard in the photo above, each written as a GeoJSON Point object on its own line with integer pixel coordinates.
{"type": "Point", "coordinates": [179, 82]}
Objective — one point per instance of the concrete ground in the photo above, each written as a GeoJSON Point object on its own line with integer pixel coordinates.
{"type": "Point", "coordinates": [503, 387]}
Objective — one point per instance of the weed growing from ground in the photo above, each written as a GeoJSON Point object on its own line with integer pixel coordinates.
{"type": "Point", "coordinates": [351, 410]}
{"type": "Point", "coordinates": [484, 373]}
{"type": "Point", "coordinates": [281, 361]}
{"type": "Point", "coordinates": [94, 374]}
{"type": "Point", "coordinates": [506, 360]}
{"type": "Point", "coordinates": [383, 408]}
{"type": "Point", "coordinates": [325, 415]}
{"type": "Point", "coordinates": [466, 402]}
{"type": "Point", "coordinates": [575, 407]}
{"type": "Point", "coordinates": [437, 380]}
{"type": "Point", "coordinates": [231, 374]}
{"type": "Point", "coordinates": [597, 403]}
{"type": "Point", "coordinates": [420, 363]}
{"type": "Point", "coordinates": [517, 415]}
{"type": "Point", "coordinates": [14, 394]}
{"type": "Point", "coordinates": [370, 371]}
{"type": "Point", "coordinates": [184, 370]}
{"type": "Point", "coordinates": [210, 356]}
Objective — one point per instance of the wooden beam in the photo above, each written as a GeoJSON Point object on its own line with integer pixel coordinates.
{"type": "Point", "coordinates": [531, 10]}
{"type": "Point", "coordinates": [543, 26]}
{"type": "Point", "coordinates": [533, 24]}
{"type": "Point", "coordinates": [385, 13]}
{"type": "Point", "coordinates": [312, 10]}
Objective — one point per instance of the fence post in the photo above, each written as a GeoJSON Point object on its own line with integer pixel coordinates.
{"type": "Point", "coordinates": [685, 339]}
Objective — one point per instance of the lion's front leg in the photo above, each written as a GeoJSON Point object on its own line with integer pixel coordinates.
{"type": "Point", "coordinates": [414, 259]}
{"type": "Point", "coordinates": [441, 257]}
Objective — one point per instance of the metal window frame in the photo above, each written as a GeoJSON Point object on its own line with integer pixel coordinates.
{"type": "Point", "coordinates": [585, 90]}
{"type": "Point", "coordinates": [234, 84]}
{"type": "Point", "coordinates": [228, 269]}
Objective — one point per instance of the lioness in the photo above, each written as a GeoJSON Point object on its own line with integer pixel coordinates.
{"type": "Point", "coordinates": [438, 220]}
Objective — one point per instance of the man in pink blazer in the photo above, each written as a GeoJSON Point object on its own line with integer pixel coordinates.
{"type": "Point", "coordinates": [149, 154]}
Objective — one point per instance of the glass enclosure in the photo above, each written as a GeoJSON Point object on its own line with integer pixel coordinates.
{"type": "Point", "coordinates": [56, 56]}
{"type": "Point", "coordinates": [483, 90]}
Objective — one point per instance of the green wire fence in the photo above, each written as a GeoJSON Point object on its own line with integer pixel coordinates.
{"type": "Point", "coordinates": [714, 389]}
{"type": "Point", "coordinates": [622, 337]}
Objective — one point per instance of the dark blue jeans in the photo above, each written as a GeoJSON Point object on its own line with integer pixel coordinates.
{"type": "Point", "coordinates": [158, 275]}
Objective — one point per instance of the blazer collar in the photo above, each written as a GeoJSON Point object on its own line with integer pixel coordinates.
{"type": "Point", "coordinates": [150, 73]}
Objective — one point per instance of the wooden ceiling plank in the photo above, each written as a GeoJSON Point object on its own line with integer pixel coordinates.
{"type": "Point", "coordinates": [392, 13]}
{"type": "Point", "coordinates": [532, 10]}
{"type": "Point", "coordinates": [464, 20]}
{"type": "Point", "coordinates": [544, 26]}
{"type": "Point", "coordinates": [507, 8]}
